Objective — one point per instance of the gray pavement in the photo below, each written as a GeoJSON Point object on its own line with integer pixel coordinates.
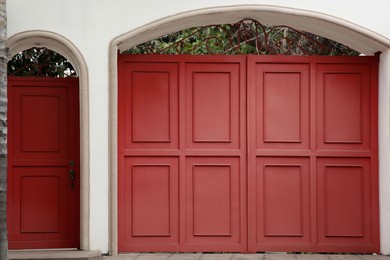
{"type": "Point", "coordinates": [229, 256]}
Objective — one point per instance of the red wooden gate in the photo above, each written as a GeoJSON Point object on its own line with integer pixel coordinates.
{"type": "Point", "coordinates": [247, 153]}
{"type": "Point", "coordinates": [43, 145]}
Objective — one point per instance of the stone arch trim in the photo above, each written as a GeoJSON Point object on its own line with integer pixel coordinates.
{"type": "Point", "coordinates": [343, 31]}
{"type": "Point", "coordinates": [353, 35]}
{"type": "Point", "coordinates": [29, 39]}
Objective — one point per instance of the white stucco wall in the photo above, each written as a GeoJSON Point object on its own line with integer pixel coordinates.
{"type": "Point", "coordinates": [91, 25]}
{"type": "Point", "coordinates": [384, 152]}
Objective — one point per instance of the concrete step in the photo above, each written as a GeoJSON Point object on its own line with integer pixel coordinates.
{"type": "Point", "coordinates": [54, 254]}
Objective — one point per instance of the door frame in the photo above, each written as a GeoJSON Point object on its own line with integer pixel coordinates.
{"type": "Point", "coordinates": [58, 43]}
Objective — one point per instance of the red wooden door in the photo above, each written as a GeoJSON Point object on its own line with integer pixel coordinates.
{"type": "Point", "coordinates": [215, 154]}
{"type": "Point", "coordinates": [183, 154]}
{"type": "Point", "coordinates": [312, 177]}
{"type": "Point", "coordinates": [255, 153]}
{"type": "Point", "coordinates": [279, 162]}
{"type": "Point", "coordinates": [43, 201]}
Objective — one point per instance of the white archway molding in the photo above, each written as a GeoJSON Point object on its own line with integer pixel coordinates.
{"type": "Point", "coordinates": [29, 39]}
{"type": "Point", "coordinates": [350, 34]}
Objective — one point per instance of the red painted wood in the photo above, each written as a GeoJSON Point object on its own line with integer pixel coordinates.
{"type": "Point", "coordinates": [171, 155]}
{"type": "Point", "coordinates": [151, 210]}
{"type": "Point", "coordinates": [214, 121]}
{"type": "Point", "coordinates": [282, 201]}
{"type": "Point", "coordinates": [347, 186]}
{"type": "Point", "coordinates": [282, 102]}
{"type": "Point", "coordinates": [213, 203]}
{"type": "Point", "coordinates": [212, 105]}
{"type": "Point", "coordinates": [343, 115]}
{"type": "Point", "coordinates": [257, 153]}
{"type": "Point", "coordinates": [43, 211]}
{"type": "Point", "coordinates": [152, 105]}
{"type": "Point", "coordinates": [304, 112]}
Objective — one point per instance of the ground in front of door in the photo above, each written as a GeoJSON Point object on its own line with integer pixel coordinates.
{"type": "Point", "coordinates": [230, 256]}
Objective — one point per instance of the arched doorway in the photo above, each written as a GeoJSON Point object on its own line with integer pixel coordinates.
{"type": "Point", "coordinates": [69, 113]}
{"type": "Point", "coordinates": [135, 142]}
{"type": "Point", "coordinates": [331, 27]}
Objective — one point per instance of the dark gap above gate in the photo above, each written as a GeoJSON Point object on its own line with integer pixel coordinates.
{"type": "Point", "coordinates": [40, 62]}
{"type": "Point", "coordinates": [244, 37]}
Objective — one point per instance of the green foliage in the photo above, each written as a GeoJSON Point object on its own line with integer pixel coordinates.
{"type": "Point", "coordinates": [243, 37]}
{"type": "Point", "coordinates": [40, 62]}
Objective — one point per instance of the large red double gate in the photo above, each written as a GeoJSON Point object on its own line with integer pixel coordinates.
{"type": "Point", "coordinates": [247, 153]}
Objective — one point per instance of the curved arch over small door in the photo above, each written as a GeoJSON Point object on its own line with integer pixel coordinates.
{"type": "Point", "coordinates": [65, 47]}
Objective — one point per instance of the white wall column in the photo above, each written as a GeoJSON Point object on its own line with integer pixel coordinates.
{"type": "Point", "coordinates": [97, 60]}
{"type": "Point", "coordinates": [384, 151]}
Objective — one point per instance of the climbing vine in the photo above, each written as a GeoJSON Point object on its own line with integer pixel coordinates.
{"type": "Point", "coordinates": [244, 37]}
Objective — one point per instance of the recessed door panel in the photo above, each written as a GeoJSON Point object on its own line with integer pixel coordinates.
{"type": "Point", "coordinates": [40, 126]}
{"type": "Point", "coordinates": [282, 201]}
{"type": "Point", "coordinates": [282, 105]}
{"type": "Point", "coordinates": [343, 114]}
{"type": "Point", "coordinates": [38, 112]}
{"type": "Point", "coordinates": [35, 192]}
{"type": "Point", "coordinates": [39, 209]}
{"type": "Point", "coordinates": [150, 202]}
{"type": "Point", "coordinates": [213, 203]}
{"type": "Point", "coordinates": [150, 106]}
{"type": "Point", "coordinates": [213, 106]}
{"type": "Point", "coordinates": [344, 189]}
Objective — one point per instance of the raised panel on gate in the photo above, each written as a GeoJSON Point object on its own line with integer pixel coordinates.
{"type": "Point", "coordinates": [344, 206]}
{"type": "Point", "coordinates": [282, 194]}
{"type": "Point", "coordinates": [343, 100]}
{"type": "Point", "coordinates": [150, 202]}
{"type": "Point", "coordinates": [282, 202]}
{"type": "Point", "coordinates": [150, 105]}
{"type": "Point", "coordinates": [342, 108]}
{"type": "Point", "coordinates": [150, 193]}
{"type": "Point", "coordinates": [213, 105]}
{"type": "Point", "coordinates": [282, 105]}
{"type": "Point", "coordinates": [212, 204]}
{"type": "Point", "coordinates": [213, 201]}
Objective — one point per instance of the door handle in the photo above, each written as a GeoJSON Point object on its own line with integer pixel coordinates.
{"type": "Point", "coordinates": [72, 175]}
